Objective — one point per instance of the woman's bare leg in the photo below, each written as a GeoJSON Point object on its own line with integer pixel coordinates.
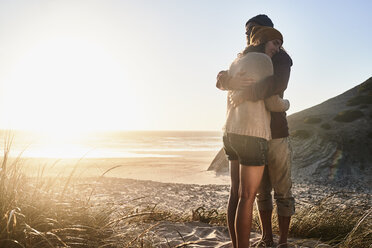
{"type": "Point", "coordinates": [233, 200]}
{"type": "Point", "coordinates": [250, 178]}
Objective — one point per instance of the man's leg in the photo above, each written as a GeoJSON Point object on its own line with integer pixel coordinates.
{"type": "Point", "coordinates": [265, 206]}
{"type": "Point", "coordinates": [233, 199]}
{"type": "Point", "coordinates": [284, 222]}
{"type": "Point", "coordinates": [267, 233]}
{"type": "Point", "coordinates": [279, 159]}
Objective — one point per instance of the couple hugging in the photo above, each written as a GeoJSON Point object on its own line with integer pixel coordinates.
{"type": "Point", "coordinates": [256, 134]}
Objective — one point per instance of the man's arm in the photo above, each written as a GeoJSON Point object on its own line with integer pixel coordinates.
{"type": "Point", "coordinates": [226, 82]}
{"type": "Point", "coordinates": [223, 79]}
{"type": "Point", "coordinates": [273, 85]}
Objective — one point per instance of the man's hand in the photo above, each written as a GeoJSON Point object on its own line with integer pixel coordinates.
{"type": "Point", "coordinates": [240, 83]}
{"type": "Point", "coordinates": [222, 75]}
{"type": "Point", "coordinates": [223, 80]}
{"type": "Point", "coordinates": [226, 82]}
{"type": "Point", "coordinates": [236, 98]}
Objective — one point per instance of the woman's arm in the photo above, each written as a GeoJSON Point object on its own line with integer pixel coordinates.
{"type": "Point", "coordinates": [276, 104]}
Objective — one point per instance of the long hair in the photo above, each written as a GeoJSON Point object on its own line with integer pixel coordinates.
{"type": "Point", "coordinates": [260, 48]}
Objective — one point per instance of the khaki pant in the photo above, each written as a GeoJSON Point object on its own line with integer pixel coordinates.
{"type": "Point", "coordinates": [277, 176]}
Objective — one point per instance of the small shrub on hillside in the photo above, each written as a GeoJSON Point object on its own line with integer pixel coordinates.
{"type": "Point", "coordinates": [363, 106]}
{"type": "Point", "coordinates": [348, 115]}
{"type": "Point", "coordinates": [360, 99]}
{"type": "Point", "coordinates": [325, 126]}
{"type": "Point", "coordinates": [301, 134]}
{"type": "Point", "coordinates": [312, 120]}
{"type": "Point", "coordinates": [366, 86]}
{"type": "Point", "coordinates": [369, 135]}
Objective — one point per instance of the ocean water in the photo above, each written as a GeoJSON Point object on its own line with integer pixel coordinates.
{"type": "Point", "coordinates": [122, 144]}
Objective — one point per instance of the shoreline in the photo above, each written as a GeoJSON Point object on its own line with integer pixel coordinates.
{"type": "Point", "coordinates": [191, 168]}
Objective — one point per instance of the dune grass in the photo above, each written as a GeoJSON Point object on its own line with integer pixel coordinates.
{"type": "Point", "coordinates": [340, 224]}
{"type": "Point", "coordinates": [46, 212]}
{"type": "Point", "coordinates": [329, 222]}
{"type": "Point", "coordinates": [54, 212]}
{"type": "Point", "coordinates": [58, 211]}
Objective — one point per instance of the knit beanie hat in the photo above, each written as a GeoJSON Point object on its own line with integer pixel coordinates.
{"type": "Point", "coordinates": [261, 34]}
{"type": "Point", "coordinates": [262, 20]}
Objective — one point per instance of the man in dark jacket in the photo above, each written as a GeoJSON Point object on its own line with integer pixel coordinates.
{"type": "Point", "coordinates": [277, 174]}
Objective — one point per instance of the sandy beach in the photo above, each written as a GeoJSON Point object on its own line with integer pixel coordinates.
{"type": "Point", "coordinates": [189, 167]}
{"type": "Point", "coordinates": [177, 187]}
{"type": "Point", "coordinates": [181, 200]}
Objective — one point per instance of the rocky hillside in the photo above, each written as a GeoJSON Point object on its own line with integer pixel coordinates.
{"type": "Point", "coordinates": [332, 141]}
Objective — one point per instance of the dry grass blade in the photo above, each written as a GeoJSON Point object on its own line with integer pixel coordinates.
{"type": "Point", "coordinates": [34, 231]}
{"type": "Point", "coordinates": [128, 217]}
{"type": "Point", "coordinates": [68, 181]}
{"type": "Point", "coordinates": [358, 224]}
{"type": "Point", "coordinates": [11, 216]}
{"type": "Point", "coordinates": [141, 234]}
{"type": "Point", "coordinates": [108, 170]}
{"type": "Point", "coordinates": [58, 238]}
{"type": "Point", "coordinates": [183, 239]}
{"type": "Point", "coordinates": [167, 242]}
{"type": "Point", "coordinates": [8, 141]}
{"type": "Point", "coordinates": [77, 228]}
{"type": "Point", "coordinates": [69, 178]}
{"type": "Point", "coordinates": [185, 244]}
{"type": "Point", "coordinates": [12, 241]}
{"type": "Point", "coordinates": [362, 236]}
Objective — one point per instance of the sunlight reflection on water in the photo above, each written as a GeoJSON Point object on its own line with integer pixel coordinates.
{"type": "Point", "coordinates": [114, 144]}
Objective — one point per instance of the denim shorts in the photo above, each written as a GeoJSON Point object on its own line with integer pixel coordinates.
{"type": "Point", "coordinates": [248, 150]}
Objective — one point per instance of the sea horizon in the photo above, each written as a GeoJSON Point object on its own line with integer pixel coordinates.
{"type": "Point", "coordinates": [111, 144]}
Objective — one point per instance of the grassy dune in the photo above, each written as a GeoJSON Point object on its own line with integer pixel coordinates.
{"type": "Point", "coordinates": [54, 212]}
{"type": "Point", "coordinates": [46, 212]}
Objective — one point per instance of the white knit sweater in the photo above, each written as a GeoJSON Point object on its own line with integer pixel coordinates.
{"type": "Point", "coordinates": [253, 118]}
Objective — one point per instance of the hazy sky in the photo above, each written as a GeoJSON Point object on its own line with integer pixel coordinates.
{"type": "Point", "coordinates": [149, 64]}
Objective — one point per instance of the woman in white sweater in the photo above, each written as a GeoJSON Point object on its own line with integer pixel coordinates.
{"type": "Point", "coordinates": [247, 131]}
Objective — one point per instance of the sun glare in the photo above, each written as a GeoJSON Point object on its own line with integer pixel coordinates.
{"type": "Point", "coordinates": [67, 85]}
